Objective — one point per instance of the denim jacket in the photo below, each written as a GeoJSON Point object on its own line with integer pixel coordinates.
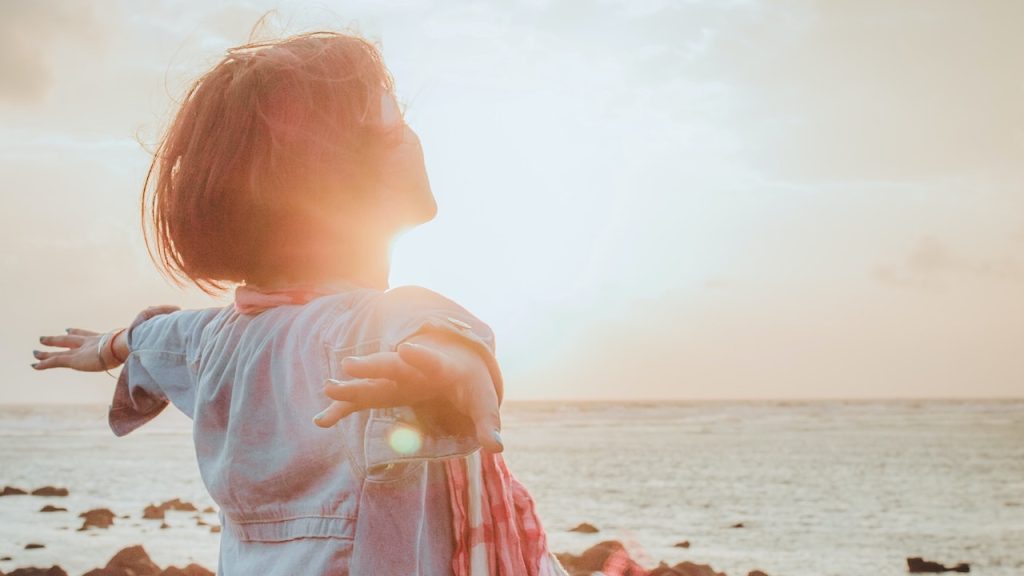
{"type": "Point", "coordinates": [295, 498]}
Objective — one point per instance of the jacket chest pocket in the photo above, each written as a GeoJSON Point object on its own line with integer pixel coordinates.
{"type": "Point", "coordinates": [394, 445]}
{"type": "Point", "coordinates": [376, 434]}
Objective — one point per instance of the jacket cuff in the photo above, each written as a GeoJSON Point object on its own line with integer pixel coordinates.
{"type": "Point", "coordinates": [133, 406]}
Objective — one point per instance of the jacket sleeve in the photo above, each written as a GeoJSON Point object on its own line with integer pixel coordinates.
{"type": "Point", "coordinates": [438, 429]}
{"type": "Point", "coordinates": [412, 310]}
{"type": "Point", "coordinates": [162, 349]}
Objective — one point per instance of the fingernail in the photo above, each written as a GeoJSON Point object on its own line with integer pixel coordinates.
{"type": "Point", "coordinates": [497, 438]}
{"type": "Point", "coordinates": [67, 330]}
{"type": "Point", "coordinates": [41, 338]}
{"type": "Point", "coordinates": [35, 364]}
{"type": "Point", "coordinates": [319, 416]}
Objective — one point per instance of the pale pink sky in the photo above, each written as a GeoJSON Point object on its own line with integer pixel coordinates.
{"type": "Point", "coordinates": [644, 199]}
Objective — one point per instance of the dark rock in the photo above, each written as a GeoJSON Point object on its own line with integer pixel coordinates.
{"type": "Point", "coordinates": [125, 517]}
{"type": "Point", "coordinates": [756, 573]}
{"type": "Point", "coordinates": [585, 528]}
{"type": "Point", "coordinates": [51, 508]}
{"type": "Point", "coordinates": [178, 505]}
{"type": "Point", "coordinates": [691, 569]}
{"type": "Point", "coordinates": [34, 546]}
{"type": "Point", "coordinates": [98, 518]}
{"type": "Point", "coordinates": [737, 525]}
{"type": "Point", "coordinates": [156, 512]}
{"type": "Point", "coordinates": [164, 525]}
{"type": "Point", "coordinates": [51, 571]}
{"type": "Point", "coordinates": [918, 565]}
{"type": "Point", "coordinates": [131, 561]}
{"type": "Point", "coordinates": [593, 558]}
{"type": "Point", "coordinates": [564, 558]}
{"type": "Point", "coordinates": [5, 558]}
{"type": "Point", "coordinates": [12, 491]}
{"type": "Point", "coordinates": [50, 491]}
{"type": "Point", "coordinates": [200, 522]}
{"type": "Point", "coordinates": [190, 570]}
{"type": "Point", "coordinates": [663, 569]}
{"type": "Point", "coordinates": [209, 510]}
{"type": "Point", "coordinates": [215, 529]}
{"type": "Point", "coordinates": [152, 512]}
{"type": "Point", "coordinates": [682, 544]}
{"type": "Point", "coordinates": [602, 557]}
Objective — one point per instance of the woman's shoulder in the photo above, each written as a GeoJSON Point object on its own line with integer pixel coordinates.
{"type": "Point", "coordinates": [411, 298]}
{"type": "Point", "coordinates": [411, 302]}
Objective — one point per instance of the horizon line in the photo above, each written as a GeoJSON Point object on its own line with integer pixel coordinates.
{"type": "Point", "coordinates": [806, 399]}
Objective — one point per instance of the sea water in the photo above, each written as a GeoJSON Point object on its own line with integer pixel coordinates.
{"type": "Point", "coordinates": [820, 488]}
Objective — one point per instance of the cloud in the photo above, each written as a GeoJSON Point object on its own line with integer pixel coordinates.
{"type": "Point", "coordinates": [30, 34]}
{"type": "Point", "coordinates": [932, 265]}
{"type": "Point", "coordinates": [877, 90]}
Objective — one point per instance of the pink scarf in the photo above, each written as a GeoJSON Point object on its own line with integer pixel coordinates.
{"type": "Point", "coordinates": [497, 530]}
{"type": "Point", "coordinates": [253, 300]}
{"type": "Point", "coordinates": [496, 527]}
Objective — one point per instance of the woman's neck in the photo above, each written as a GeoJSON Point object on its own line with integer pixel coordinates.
{"type": "Point", "coordinates": [366, 264]}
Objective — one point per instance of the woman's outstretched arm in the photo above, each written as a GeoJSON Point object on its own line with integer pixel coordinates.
{"type": "Point", "coordinates": [87, 351]}
{"type": "Point", "coordinates": [438, 374]}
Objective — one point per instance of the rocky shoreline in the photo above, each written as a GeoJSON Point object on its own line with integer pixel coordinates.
{"type": "Point", "coordinates": [608, 557]}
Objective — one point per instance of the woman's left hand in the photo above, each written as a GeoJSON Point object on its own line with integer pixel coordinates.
{"type": "Point", "coordinates": [427, 374]}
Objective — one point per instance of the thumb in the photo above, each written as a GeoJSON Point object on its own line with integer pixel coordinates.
{"type": "Point", "coordinates": [486, 418]}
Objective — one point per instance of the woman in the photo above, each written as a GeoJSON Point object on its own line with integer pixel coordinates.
{"type": "Point", "coordinates": [287, 171]}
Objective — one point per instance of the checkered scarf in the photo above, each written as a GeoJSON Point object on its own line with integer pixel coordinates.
{"type": "Point", "coordinates": [497, 530]}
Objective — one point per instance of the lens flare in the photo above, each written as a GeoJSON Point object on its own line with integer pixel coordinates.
{"type": "Point", "coordinates": [405, 440]}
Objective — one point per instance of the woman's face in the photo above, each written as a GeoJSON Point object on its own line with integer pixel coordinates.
{"type": "Point", "coordinates": [401, 198]}
{"type": "Point", "coordinates": [405, 189]}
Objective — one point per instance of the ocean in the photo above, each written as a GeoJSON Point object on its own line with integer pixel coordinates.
{"type": "Point", "coordinates": [821, 488]}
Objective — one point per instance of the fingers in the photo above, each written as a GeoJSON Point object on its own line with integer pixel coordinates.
{"type": "Point", "coordinates": [374, 392]}
{"type": "Point", "coordinates": [53, 360]}
{"type": "Point", "coordinates": [81, 332]}
{"type": "Point", "coordinates": [64, 340]}
{"type": "Point", "coordinates": [366, 393]}
{"type": "Point", "coordinates": [354, 395]}
{"type": "Point", "coordinates": [483, 409]}
{"type": "Point", "coordinates": [432, 363]}
{"type": "Point", "coordinates": [334, 413]}
{"type": "Point", "coordinates": [387, 365]}
{"type": "Point", "coordinates": [43, 355]}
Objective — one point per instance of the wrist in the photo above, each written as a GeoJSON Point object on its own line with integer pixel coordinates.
{"type": "Point", "coordinates": [119, 346]}
{"type": "Point", "coordinates": [108, 349]}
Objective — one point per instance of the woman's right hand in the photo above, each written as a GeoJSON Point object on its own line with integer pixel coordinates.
{"type": "Point", "coordinates": [82, 346]}
{"type": "Point", "coordinates": [80, 352]}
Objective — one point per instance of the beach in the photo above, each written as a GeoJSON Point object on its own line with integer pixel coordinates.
{"type": "Point", "coordinates": [789, 488]}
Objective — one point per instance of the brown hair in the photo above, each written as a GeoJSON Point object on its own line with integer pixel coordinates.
{"type": "Point", "coordinates": [276, 132]}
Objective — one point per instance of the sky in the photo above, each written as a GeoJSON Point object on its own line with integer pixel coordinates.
{"type": "Point", "coordinates": [643, 199]}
